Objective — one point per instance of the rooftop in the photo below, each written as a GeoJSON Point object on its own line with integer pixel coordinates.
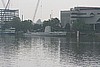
{"type": "Point", "coordinates": [87, 8]}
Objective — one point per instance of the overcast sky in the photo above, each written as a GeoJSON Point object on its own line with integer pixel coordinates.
{"type": "Point", "coordinates": [27, 7]}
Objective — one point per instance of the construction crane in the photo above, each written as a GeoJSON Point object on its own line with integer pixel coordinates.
{"type": "Point", "coordinates": [36, 10]}
{"type": "Point", "coordinates": [5, 5]}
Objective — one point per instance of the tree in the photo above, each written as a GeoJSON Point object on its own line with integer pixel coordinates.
{"type": "Point", "coordinates": [67, 27]}
{"type": "Point", "coordinates": [78, 25]}
{"type": "Point", "coordinates": [26, 25]}
{"type": "Point", "coordinates": [16, 23]}
{"type": "Point", "coordinates": [54, 23]}
{"type": "Point", "coordinates": [37, 28]}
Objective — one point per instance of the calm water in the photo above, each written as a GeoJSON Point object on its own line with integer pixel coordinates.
{"type": "Point", "coordinates": [49, 52]}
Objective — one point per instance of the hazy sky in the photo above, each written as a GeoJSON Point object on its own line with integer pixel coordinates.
{"type": "Point", "coordinates": [27, 7]}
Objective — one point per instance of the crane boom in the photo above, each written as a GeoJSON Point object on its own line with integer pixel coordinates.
{"type": "Point", "coordinates": [4, 4]}
{"type": "Point", "coordinates": [36, 10]}
{"type": "Point", "coordinates": [7, 4]}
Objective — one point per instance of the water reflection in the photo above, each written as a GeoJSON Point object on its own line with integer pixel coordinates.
{"type": "Point", "coordinates": [48, 52]}
{"type": "Point", "coordinates": [84, 54]}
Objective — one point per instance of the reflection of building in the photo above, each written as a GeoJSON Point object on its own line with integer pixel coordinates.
{"type": "Point", "coordinates": [7, 14]}
{"type": "Point", "coordinates": [90, 15]}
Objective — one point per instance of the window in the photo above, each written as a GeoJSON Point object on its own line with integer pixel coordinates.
{"type": "Point", "coordinates": [98, 13]}
{"type": "Point", "coordinates": [91, 13]}
{"type": "Point", "coordinates": [78, 13]}
{"type": "Point", "coordinates": [98, 20]}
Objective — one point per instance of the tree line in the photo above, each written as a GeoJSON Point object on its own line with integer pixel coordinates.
{"type": "Point", "coordinates": [28, 26]}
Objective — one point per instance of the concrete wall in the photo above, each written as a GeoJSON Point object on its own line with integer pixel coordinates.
{"type": "Point", "coordinates": [65, 18]}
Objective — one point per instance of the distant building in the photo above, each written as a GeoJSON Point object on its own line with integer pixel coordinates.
{"type": "Point", "coordinates": [90, 15]}
{"type": "Point", "coordinates": [39, 22]}
{"type": "Point", "coordinates": [8, 15]}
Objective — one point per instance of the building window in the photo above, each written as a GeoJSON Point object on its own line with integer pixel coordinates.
{"type": "Point", "coordinates": [91, 13]}
{"type": "Point", "coordinates": [98, 13]}
{"type": "Point", "coordinates": [98, 20]}
{"type": "Point", "coordinates": [78, 13]}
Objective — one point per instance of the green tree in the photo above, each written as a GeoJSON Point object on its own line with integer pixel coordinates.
{"type": "Point", "coordinates": [37, 28]}
{"type": "Point", "coordinates": [16, 23]}
{"type": "Point", "coordinates": [78, 25]}
{"type": "Point", "coordinates": [6, 25]}
{"type": "Point", "coordinates": [54, 23]}
{"type": "Point", "coordinates": [67, 27]}
{"type": "Point", "coordinates": [26, 25]}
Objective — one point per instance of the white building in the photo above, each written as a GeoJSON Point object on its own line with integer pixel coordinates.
{"type": "Point", "coordinates": [8, 14]}
{"type": "Point", "coordinates": [90, 15]}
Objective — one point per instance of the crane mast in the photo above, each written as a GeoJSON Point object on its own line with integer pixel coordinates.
{"type": "Point", "coordinates": [36, 10]}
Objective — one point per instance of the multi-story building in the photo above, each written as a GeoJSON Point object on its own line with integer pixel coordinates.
{"type": "Point", "coordinates": [8, 15]}
{"type": "Point", "coordinates": [90, 15]}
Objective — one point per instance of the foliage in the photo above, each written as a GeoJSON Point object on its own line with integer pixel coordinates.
{"type": "Point", "coordinates": [54, 23]}
{"type": "Point", "coordinates": [16, 23]}
{"type": "Point", "coordinates": [22, 26]}
{"type": "Point", "coordinates": [37, 28]}
{"type": "Point", "coordinates": [67, 27]}
{"type": "Point", "coordinates": [26, 25]}
{"type": "Point", "coordinates": [78, 25]}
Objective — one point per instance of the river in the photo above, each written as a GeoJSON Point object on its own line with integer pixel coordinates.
{"type": "Point", "coordinates": [49, 51]}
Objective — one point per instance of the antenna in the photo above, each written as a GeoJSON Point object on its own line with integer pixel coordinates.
{"type": "Point", "coordinates": [51, 14]}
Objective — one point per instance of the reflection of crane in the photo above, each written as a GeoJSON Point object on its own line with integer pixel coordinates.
{"type": "Point", "coordinates": [36, 10]}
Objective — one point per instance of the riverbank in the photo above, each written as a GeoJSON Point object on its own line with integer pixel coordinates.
{"type": "Point", "coordinates": [45, 34]}
{"type": "Point", "coordinates": [67, 34]}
